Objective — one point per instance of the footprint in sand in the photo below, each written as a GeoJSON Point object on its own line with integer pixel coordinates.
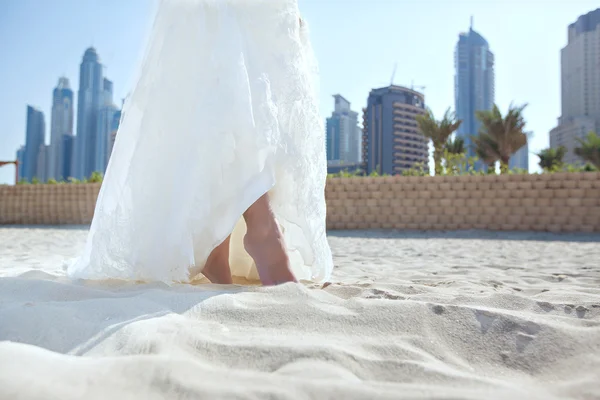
{"type": "Point", "coordinates": [438, 309]}
{"type": "Point", "coordinates": [581, 311]}
{"type": "Point", "coordinates": [523, 341]}
{"type": "Point", "coordinates": [381, 294]}
{"type": "Point", "coordinates": [544, 305]}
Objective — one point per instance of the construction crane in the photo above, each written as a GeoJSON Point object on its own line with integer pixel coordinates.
{"type": "Point", "coordinates": [393, 74]}
{"type": "Point", "coordinates": [413, 87]}
{"type": "Point", "coordinates": [412, 83]}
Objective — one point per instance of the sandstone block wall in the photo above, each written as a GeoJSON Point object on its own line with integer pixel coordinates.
{"type": "Point", "coordinates": [565, 202]}
{"type": "Point", "coordinates": [67, 204]}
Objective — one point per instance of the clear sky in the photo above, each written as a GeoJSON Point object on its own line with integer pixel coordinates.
{"type": "Point", "coordinates": [357, 44]}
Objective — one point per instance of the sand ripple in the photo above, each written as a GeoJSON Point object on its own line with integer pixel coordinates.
{"type": "Point", "coordinates": [470, 316]}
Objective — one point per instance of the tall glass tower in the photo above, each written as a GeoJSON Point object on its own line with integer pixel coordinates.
{"type": "Point", "coordinates": [580, 85]}
{"type": "Point", "coordinates": [104, 129]}
{"type": "Point", "coordinates": [34, 143]}
{"type": "Point", "coordinates": [60, 125]}
{"type": "Point", "coordinates": [343, 134]}
{"type": "Point", "coordinates": [473, 84]}
{"type": "Point", "coordinates": [90, 99]}
{"type": "Point", "coordinates": [20, 159]}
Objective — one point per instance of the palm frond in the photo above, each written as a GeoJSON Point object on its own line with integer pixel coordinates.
{"type": "Point", "coordinates": [506, 132]}
{"type": "Point", "coordinates": [589, 149]}
{"type": "Point", "coordinates": [456, 145]}
{"type": "Point", "coordinates": [438, 132]}
{"type": "Point", "coordinates": [552, 158]}
{"type": "Point", "coordinates": [486, 148]}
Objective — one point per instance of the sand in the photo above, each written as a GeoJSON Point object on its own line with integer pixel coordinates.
{"type": "Point", "coordinates": [449, 316]}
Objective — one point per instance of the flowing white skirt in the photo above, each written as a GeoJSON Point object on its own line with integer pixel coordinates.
{"type": "Point", "coordinates": [225, 110]}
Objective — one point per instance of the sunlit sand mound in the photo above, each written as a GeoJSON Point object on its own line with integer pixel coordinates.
{"type": "Point", "coordinates": [468, 316]}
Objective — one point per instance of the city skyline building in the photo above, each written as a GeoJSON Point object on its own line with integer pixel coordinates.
{"type": "Point", "coordinates": [580, 85]}
{"type": "Point", "coordinates": [343, 134]}
{"type": "Point", "coordinates": [474, 85]}
{"type": "Point", "coordinates": [34, 140]}
{"type": "Point", "coordinates": [41, 173]}
{"type": "Point", "coordinates": [108, 123]}
{"type": "Point", "coordinates": [61, 124]}
{"type": "Point", "coordinates": [392, 142]}
{"type": "Point", "coordinates": [116, 122]}
{"type": "Point", "coordinates": [91, 97]}
{"type": "Point", "coordinates": [67, 159]}
{"type": "Point", "coordinates": [68, 155]}
{"type": "Point", "coordinates": [107, 86]}
{"type": "Point", "coordinates": [21, 163]}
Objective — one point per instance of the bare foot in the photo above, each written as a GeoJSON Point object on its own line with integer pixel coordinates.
{"type": "Point", "coordinates": [264, 243]}
{"type": "Point", "coordinates": [268, 252]}
{"type": "Point", "coordinates": [217, 268]}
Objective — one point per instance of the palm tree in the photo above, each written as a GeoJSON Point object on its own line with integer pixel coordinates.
{"type": "Point", "coordinates": [552, 158]}
{"type": "Point", "coordinates": [456, 145]}
{"type": "Point", "coordinates": [507, 132]}
{"type": "Point", "coordinates": [438, 132]}
{"type": "Point", "coordinates": [486, 149]}
{"type": "Point", "coordinates": [589, 149]}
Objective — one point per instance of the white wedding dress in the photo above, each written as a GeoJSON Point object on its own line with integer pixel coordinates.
{"type": "Point", "coordinates": [224, 111]}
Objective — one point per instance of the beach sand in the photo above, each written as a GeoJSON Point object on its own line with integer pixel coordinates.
{"type": "Point", "coordinates": [469, 315]}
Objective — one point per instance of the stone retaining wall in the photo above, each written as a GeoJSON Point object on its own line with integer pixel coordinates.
{"type": "Point", "coordinates": [564, 202]}
{"type": "Point", "coordinates": [66, 204]}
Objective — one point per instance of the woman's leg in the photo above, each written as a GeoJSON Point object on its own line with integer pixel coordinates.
{"type": "Point", "coordinates": [217, 268]}
{"type": "Point", "coordinates": [264, 243]}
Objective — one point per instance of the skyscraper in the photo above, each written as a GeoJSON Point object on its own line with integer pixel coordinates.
{"type": "Point", "coordinates": [105, 129]}
{"type": "Point", "coordinates": [34, 140]}
{"type": "Point", "coordinates": [473, 84]}
{"type": "Point", "coordinates": [91, 97]}
{"type": "Point", "coordinates": [115, 127]}
{"type": "Point", "coordinates": [67, 155]}
{"type": "Point", "coordinates": [392, 142]}
{"type": "Point", "coordinates": [580, 85]}
{"type": "Point", "coordinates": [20, 158]}
{"type": "Point", "coordinates": [106, 125]}
{"type": "Point", "coordinates": [107, 87]}
{"type": "Point", "coordinates": [42, 164]}
{"type": "Point", "coordinates": [61, 124]}
{"type": "Point", "coordinates": [343, 134]}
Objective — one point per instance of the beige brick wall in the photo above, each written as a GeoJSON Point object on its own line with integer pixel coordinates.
{"type": "Point", "coordinates": [565, 202]}
{"type": "Point", "coordinates": [48, 204]}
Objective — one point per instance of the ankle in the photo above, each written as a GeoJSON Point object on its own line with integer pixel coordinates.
{"type": "Point", "coordinates": [263, 231]}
